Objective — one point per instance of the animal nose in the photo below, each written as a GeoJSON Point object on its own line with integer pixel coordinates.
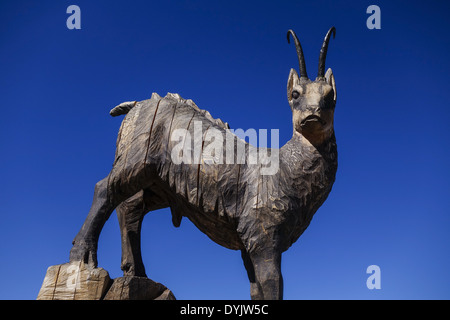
{"type": "Point", "coordinates": [315, 108]}
{"type": "Point", "coordinates": [319, 107]}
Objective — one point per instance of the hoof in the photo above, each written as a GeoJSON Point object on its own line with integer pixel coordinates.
{"type": "Point", "coordinates": [82, 251]}
{"type": "Point", "coordinates": [133, 270]}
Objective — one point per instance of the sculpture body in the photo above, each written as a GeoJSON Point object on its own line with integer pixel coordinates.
{"type": "Point", "coordinates": [233, 203]}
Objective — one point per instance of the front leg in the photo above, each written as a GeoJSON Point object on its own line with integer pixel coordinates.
{"type": "Point", "coordinates": [255, 289]}
{"type": "Point", "coordinates": [267, 272]}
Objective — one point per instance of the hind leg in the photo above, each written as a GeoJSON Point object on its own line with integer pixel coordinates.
{"type": "Point", "coordinates": [105, 201]}
{"type": "Point", "coordinates": [85, 243]}
{"type": "Point", "coordinates": [130, 213]}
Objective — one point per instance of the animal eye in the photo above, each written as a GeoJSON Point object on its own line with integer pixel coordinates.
{"type": "Point", "coordinates": [295, 94]}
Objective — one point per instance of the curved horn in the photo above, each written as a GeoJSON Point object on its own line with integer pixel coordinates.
{"type": "Point", "coordinates": [323, 52]}
{"type": "Point", "coordinates": [301, 59]}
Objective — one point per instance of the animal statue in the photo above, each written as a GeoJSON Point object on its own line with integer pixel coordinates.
{"type": "Point", "coordinates": [233, 203]}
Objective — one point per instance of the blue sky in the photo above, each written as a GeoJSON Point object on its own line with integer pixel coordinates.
{"type": "Point", "coordinates": [389, 205]}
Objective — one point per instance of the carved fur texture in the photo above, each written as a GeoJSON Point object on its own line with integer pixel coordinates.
{"type": "Point", "coordinates": [232, 202]}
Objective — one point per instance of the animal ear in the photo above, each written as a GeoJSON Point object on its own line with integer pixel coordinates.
{"type": "Point", "coordinates": [329, 77]}
{"type": "Point", "coordinates": [292, 81]}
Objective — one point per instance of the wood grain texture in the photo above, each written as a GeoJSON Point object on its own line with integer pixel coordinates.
{"type": "Point", "coordinates": [74, 281]}
{"type": "Point", "coordinates": [170, 153]}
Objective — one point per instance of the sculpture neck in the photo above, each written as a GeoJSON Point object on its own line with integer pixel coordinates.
{"type": "Point", "coordinates": [315, 165]}
{"type": "Point", "coordinates": [306, 176]}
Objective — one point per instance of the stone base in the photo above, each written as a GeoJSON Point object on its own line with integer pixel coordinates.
{"type": "Point", "coordinates": [74, 281]}
{"type": "Point", "coordinates": [138, 288]}
{"type": "Point", "coordinates": [78, 281]}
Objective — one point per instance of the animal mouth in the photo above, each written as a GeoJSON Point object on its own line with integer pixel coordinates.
{"type": "Point", "coordinates": [312, 118]}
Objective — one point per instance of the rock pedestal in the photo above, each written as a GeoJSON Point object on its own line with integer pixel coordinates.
{"type": "Point", "coordinates": [79, 281]}
{"type": "Point", "coordinates": [138, 288]}
{"type": "Point", "coordinates": [74, 281]}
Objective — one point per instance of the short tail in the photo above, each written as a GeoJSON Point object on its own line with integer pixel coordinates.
{"type": "Point", "coordinates": [122, 108]}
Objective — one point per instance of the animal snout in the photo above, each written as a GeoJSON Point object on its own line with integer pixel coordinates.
{"type": "Point", "coordinates": [314, 108]}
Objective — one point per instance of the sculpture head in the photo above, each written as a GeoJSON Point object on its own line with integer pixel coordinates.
{"type": "Point", "coordinates": [312, 102]}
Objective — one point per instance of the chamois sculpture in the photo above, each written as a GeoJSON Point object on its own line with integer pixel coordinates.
{"type": "Point", "coordinates": [234, 204]}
